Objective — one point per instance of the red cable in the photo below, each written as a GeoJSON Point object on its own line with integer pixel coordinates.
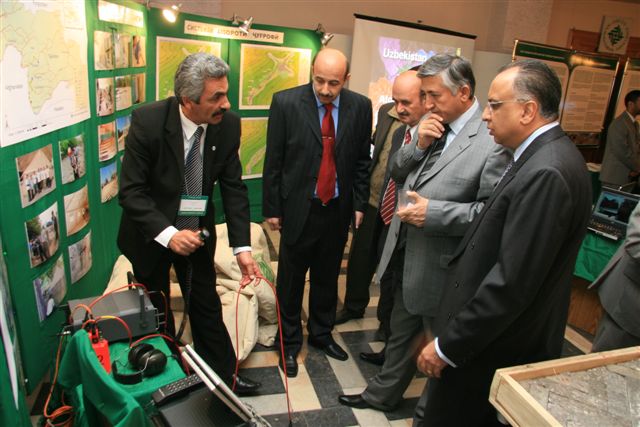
{"type": "Point", "coordinates": [63, 409]}
{"type": "Point", "coordinates": [244, 283]}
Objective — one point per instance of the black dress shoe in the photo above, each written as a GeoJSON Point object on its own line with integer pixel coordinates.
{"type": "Point", "coordinates": [331, 349]}
{"type": "Point", "coordinates": [375, 358]}
{"type": "Point", "coordinates": [291, 363]}
{"type": "Point", "coordinates": [345, 315]}
{"type": "Point", "coordinates": [245, 386]}
{"type": "Point", "coordinates": [354, 401]}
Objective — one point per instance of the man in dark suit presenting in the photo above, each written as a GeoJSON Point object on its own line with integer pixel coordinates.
{"type": "Point", "coordinates": [175, 151]}
{"type": "Point", "coordinates": [316, 173]}
{"type": "Point", "coordinates": [507, 297]}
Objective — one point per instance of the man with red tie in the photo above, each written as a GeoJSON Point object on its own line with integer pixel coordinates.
{"type": "Point", "coordinates": [315, 180]}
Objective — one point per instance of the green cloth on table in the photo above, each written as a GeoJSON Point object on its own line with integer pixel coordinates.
{"type": "Point", "coordinates": [594, 255]}
{"type": "Point", "coordinates": [95, 392]}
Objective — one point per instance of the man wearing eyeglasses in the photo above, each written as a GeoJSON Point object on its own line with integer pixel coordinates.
{"type": "Point", "coordinates": [507, 294]}
{"type": "Point", "coordinates": [447, 172]}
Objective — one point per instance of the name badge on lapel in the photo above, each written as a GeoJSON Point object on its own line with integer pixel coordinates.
{"type": "Point", "coordinates": [193, 205]}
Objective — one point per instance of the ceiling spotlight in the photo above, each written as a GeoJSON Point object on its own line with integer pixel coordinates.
{"type": "Point", "coordinates": [171, 13]}
{"type": "Point", "coordinates": [324, 36]}
{"type": "Point", "coordinates": [246, 23]}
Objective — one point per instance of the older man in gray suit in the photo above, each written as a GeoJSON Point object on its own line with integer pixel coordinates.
{"type": "Point", "coordinates": [621, 162]}
{"type": "Point", "coordinates": [447, 173]}
{"type": "Point", "coordinates": [619, 290]}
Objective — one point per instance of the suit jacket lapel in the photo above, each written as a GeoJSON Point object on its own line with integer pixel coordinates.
{"type": "Point", "coordinates": [550, 135]}
{"type": "Point", "coordinates": [343, 116]}
{"type": "Point", "coordinates": [309, 105]}
{"type": "Point", "coordinates": [460, 143]}
{"type": "Point", "coordinates": [209, 151]}
{"type": "Point", "coordinates": [174, 137]}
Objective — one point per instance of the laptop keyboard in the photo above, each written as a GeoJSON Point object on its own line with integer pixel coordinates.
{"type": "Point", "coordinates": [611, 231]}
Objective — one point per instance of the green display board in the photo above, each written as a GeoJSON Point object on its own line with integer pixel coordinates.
{"type": "Point", "coordinates": [59, 213]}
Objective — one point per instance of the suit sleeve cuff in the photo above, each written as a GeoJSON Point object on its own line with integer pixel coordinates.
{"type": "Point", "coordinates": [418, 153]}
{"type": "Point", "coordinates": [166, 235]}
{"type": "Point", "coordinates": [239, 249]}
{"type": "Point", "coordinates": [442, 356]}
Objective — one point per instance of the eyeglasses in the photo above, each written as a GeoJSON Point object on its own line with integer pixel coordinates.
{"type": "Point", "coordinates": [493, 105]}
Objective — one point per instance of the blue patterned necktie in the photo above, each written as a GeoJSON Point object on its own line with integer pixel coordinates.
{"type": "Point", "coordinates": [192, 180]}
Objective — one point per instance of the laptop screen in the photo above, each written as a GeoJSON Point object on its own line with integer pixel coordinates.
{"type": "Point", "coordinates": [615, 206]}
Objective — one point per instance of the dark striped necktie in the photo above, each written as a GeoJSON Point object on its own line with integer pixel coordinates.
{"type": "Point", "coordinates": [192, 180]}
{"type": "Point", "coordinates": [436, 149]}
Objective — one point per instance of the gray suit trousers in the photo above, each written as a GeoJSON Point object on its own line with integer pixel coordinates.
{"type": "Point", "coordinates": [408, 336]}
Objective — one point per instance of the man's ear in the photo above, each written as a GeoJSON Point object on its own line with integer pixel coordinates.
{"type": "Point", "coordinates": [529, 112]}
{"type": "Point", "coordinates": [465, 93]}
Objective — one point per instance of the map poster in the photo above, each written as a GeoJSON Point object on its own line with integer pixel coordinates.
{"type": "Point", "coordinates": [169, 53]}
{"type": "Point", "coordinates": [45, 83]}
{"type": "Point", "coordinates": [265, 70]}
{"type": "Point", "coordinates": [253, 145]}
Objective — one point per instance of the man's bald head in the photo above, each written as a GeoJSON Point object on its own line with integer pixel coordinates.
{"type": "Point", "coordinates": [330, 71]}
{"type": "Point", "coordinates": [409, 98]}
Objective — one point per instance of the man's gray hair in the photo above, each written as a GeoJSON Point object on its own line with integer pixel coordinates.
{"type": "Point", "coordinates": [537, 81]}
{"type": "Point", "coordinates": [193, 71]}
{"type": "Point", "coordinates": [455, 71]}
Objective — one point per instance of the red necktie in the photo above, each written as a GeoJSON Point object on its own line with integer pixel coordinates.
{"type": "Point", "coordinates": [327, 175]}
{"type": "Point", "coordinates": [388, 205]}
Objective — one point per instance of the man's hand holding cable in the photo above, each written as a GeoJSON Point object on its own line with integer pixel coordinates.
{"type": "Point", "coordinates": [248, 266]}
{"type": "Point", "coordinates": [185, 242]}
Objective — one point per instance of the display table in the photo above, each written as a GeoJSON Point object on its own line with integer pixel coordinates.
{"type": "Point", "coordinates": [96, 396]}
{"type": "Point", "coordinates": [594, 254]}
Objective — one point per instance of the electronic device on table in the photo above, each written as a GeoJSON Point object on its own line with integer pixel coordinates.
{"type": "Point", "coordinates": [188, 402]}
{"type": "Point", "coordinates": [133, 306]}
{"type": "Point", "coordinates": [611, 213]}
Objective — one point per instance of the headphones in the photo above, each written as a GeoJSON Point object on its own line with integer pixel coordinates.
{"type": "Point", "coordinates": [148, 361]}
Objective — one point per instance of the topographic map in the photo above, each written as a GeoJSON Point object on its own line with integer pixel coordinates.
{"type": "Point", "coordinates": [170, 53]}
{"type": "Point", "coordinates": [265, 70]}
{"type": "Point", "coordinates": [253, 145]}
{"type": "Point", "coordinates": [44, 84]}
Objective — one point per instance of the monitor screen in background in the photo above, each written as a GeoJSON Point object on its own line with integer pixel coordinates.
{"type": "Point", "coordinates": [383, 48]}
{"type": "Point", "coordinates": [615, 207]}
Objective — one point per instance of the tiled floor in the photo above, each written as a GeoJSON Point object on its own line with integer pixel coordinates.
{"type": "Point", "coordinates": [314, 392]}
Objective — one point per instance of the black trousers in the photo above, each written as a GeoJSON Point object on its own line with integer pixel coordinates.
{"type": "Point", "coordinates": [318, 250]}
{"type": "Point", "coordinates": [363, 259]}
{"type": "Point", "coordinates": [210, 337]}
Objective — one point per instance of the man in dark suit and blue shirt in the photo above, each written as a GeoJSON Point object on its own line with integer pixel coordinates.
{"type": "Point", "coordinates": [507, 297]}
{"type": "Point", "coordinates": [316, 174]}
{"type": "Point", "coordinates": [176, 149]}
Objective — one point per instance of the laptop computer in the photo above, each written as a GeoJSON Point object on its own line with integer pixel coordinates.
{"type": "Point", "coordinates": [611, 213]}
{"type": "Point", "coordinates": [214, 405]}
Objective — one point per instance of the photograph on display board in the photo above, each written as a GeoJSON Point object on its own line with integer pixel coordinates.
{"type": "Point", "coordinates": [253, 145]}
{"type": "Point", "coordinates": [123, 92]}
{"type": "Point", "coordinates": [76, 210]}
{"type": "Point", "coordinates": [104, 96]}
{"type": "Point", "coordinates": [36, 176]}
{"type": "Point", "coordinates": [170, 52]}
{"type": "Point", "coordinates": [265, 70]}
{"type": "Point", "coordinates": [108, 182]}
{"type": "Point", "coordinates": [72, 161]}
{"type": "Point", "coordinates": [103, 50]}
{"type": "Point", "coordinates": [107, 141]}
{"type": "Point", "coordinates": [122, 126]}
{"type": "Point", "coordinates": [138, 83]}
{"type": "Point", "coordinates": [50, 289]}
{"type": "Point", "coordinates": [43, 235]}
{"type": "Point", "coordinates": [123, 48]}
{"type": "Point", "coordinates": [80, 258]}
{"type": "Point", "coordinates": [139, 51]}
